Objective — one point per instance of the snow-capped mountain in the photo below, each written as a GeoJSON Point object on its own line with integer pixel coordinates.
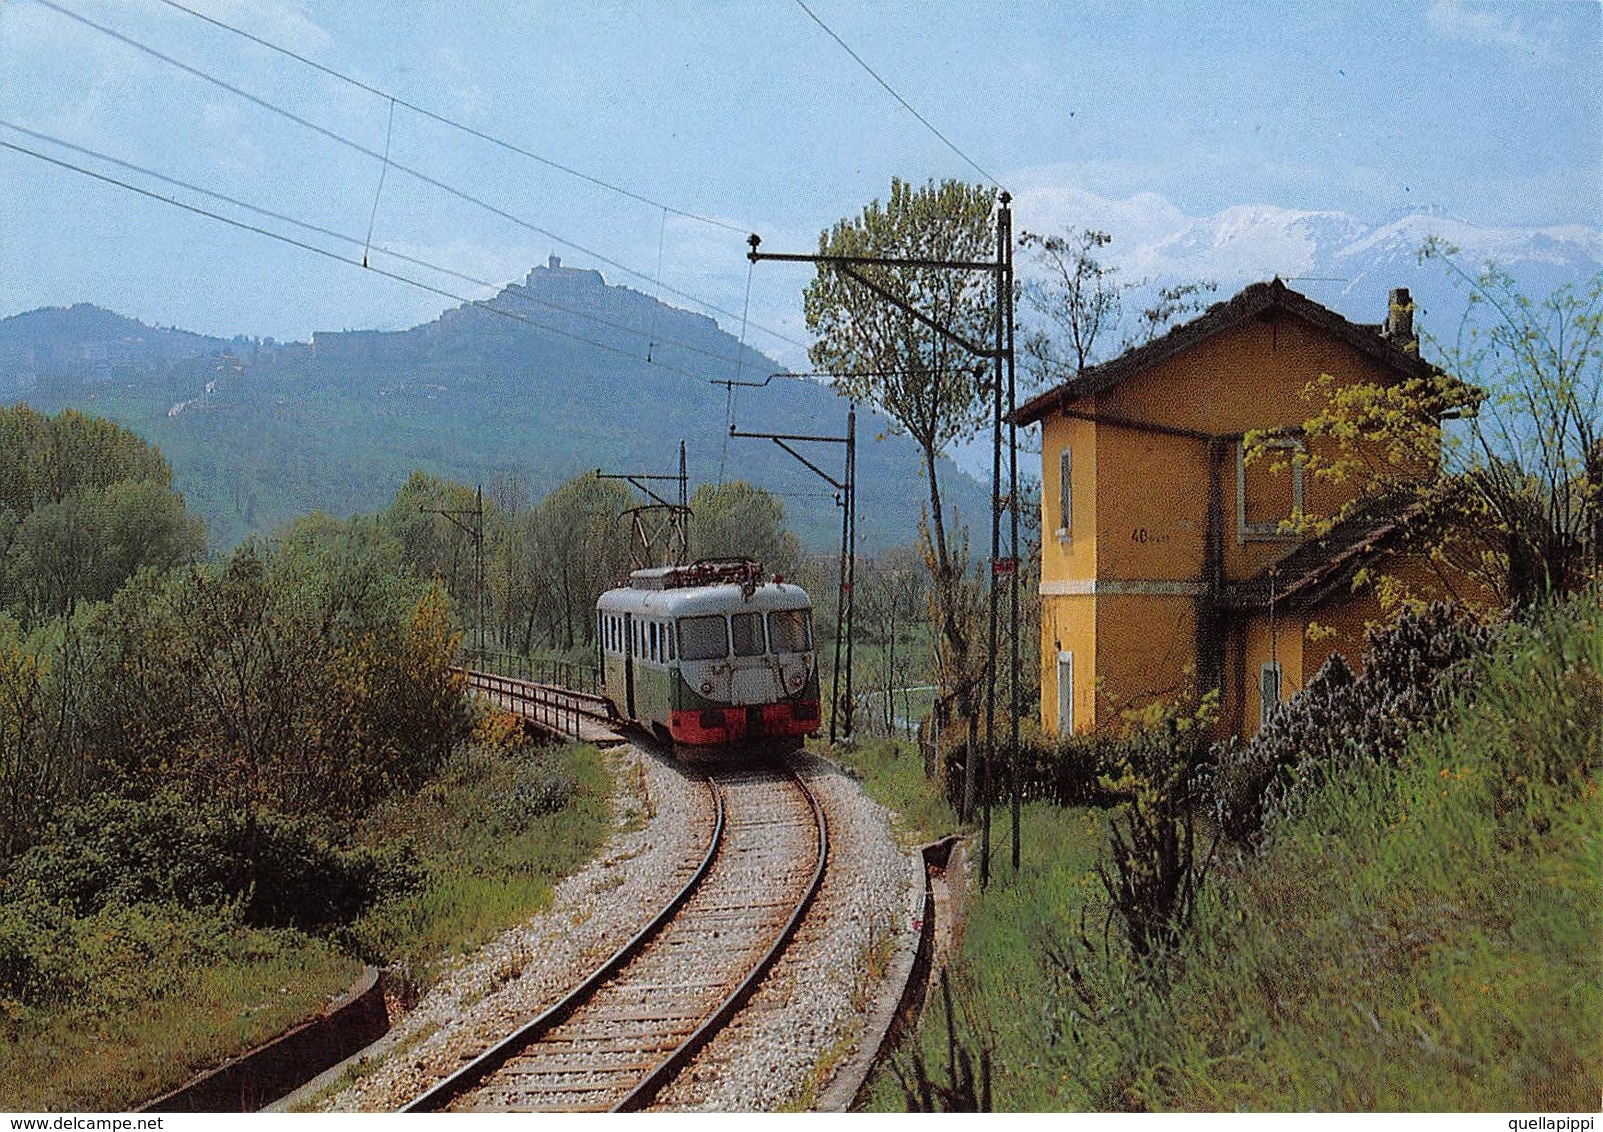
{"type": "Point", "coordinates": [1335, 258]}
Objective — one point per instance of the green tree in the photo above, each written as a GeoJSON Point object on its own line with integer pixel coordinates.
{"type": "Point", "coordinates": [432, 546]}
{"type": "Point", "coordinates": [575, 546]}
{"type": "Point", "coordinates": [737, 520]}
{"type": "Point", "coordinates": [1530, 476]}
{"type": "Point", "coordinates": [1509, 500]}
{"type": "Point", "coordinates": [931, 389]}
{"type": "Point", "coordinates": [86, 545]}
{"type": "Point", "coordinates": [84, 504]}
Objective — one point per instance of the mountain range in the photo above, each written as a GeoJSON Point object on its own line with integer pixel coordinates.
{"type": "Point", "coordinates": [572, 374]}
{"type": "Point", "coordinates": [1335, 258]}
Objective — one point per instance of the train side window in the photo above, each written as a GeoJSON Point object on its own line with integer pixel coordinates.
{"type": "Point", "coordinates": [703, 638]}
{"type": "Point", "coordinates": [747, 631]}
{"type": "Point", "coordinates": [790, 630]}
{"type": "Point", "coordinates": [656, 651]}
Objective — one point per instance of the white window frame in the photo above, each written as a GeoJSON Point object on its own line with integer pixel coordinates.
{"type": "Point", "coordinates": [1065, 694]}
{"type": "Point", "coordinates": [1267, 705]}
{"type": "Point", "coordinates": [1265, 532]}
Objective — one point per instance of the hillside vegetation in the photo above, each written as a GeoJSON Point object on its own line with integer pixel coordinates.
{"type": "Point", "coordinates": [1418, 933]}
{"type": "Point", "coordinates": [226, 785]}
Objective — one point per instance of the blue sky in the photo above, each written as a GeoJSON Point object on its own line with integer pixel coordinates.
{"type": "Point", "coordinates": [1126, 115]}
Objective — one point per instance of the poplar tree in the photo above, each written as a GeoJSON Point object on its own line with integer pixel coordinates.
{"type": "Point", "coordinates": [930, 388]}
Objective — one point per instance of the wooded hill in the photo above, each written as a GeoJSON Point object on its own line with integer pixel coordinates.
{"type": "Point", "coordinates": [259, 431]}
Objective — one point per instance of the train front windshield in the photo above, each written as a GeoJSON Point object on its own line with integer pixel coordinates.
{"type": "Point", "coordinates": [703, 638]}
{"type": "Point", "coordinates": [747, 630]}
{"type": "Point", "coordinates": [709, 637]}
{"type": "Point", "coordinates": [790, 630]}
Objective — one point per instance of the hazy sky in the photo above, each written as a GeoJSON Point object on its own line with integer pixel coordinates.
{"type": "Point", "coordinates": [746, 112]}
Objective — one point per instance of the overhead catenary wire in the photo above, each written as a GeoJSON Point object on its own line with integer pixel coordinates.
{"type": "Point", "coordinates": [418, 174]}
{"type": "Point", "coordinates": [389, 132]}
{"type": "Point", "coordinates": [346, 238]}
{"type": "Point", "coordinates": [930, 126]}
{"type": "Point", "coordinates": [457, 125]}
{"type": "Point", "coordinates": [290, 240]}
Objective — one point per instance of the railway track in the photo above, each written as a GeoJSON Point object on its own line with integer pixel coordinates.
{"type": "Point", "coordinates": [632, 1026]}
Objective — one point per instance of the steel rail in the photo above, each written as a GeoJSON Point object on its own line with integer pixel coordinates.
{"type": "Point", "coordinates": [644, 1093]}
{"type": "Point", "coordinates": [467, 1078]}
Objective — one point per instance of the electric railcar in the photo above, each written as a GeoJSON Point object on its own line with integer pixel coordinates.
{"type": "Point", "coordinates": [711, 657]}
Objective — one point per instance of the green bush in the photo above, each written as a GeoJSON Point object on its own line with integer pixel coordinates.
{"type": "Point", "coordinates": [32, 937]}
{"type": "Point", "coordinates": [280, 871]}
{"type": "Point", "coordinates": [1413, 668]}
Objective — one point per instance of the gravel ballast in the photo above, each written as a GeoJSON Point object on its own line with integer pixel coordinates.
{"type": "Point", "coordinates": [810, 1016]}
{"type": "Point", "coordinates": [805, 1022]}
{"type": "Point", "coordinates": [662, 814]}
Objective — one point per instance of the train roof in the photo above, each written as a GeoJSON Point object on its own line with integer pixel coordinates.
{"type": "Point", "coordinates": [687, 601]}
{"type": "Point", "coordinates": [747, 572]}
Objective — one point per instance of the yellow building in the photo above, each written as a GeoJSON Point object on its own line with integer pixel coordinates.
{"type": "Point", "coordinates": [1164, 566]}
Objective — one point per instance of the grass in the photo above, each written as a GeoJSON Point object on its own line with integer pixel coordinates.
{"type": "Point", "coordinates": [493, 847]}
{"type": "Point", "coordinates": [168, 993]}
{"type": "Point", "coordinates": [1002, 994]}
{"type": "Point", "coordinates": [159, 993]}
{"type": "Point", "coordinates": [1423, 937]}
{"type": "Point", "coordinates": [1427, 936]}
{"type": "Point", "coordinates": [892, 773]}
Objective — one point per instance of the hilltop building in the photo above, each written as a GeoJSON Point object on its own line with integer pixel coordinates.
{"type": "Point", "coordinates": [554, 279]}
{"type": "Point", "coordinates": [1165, 565]}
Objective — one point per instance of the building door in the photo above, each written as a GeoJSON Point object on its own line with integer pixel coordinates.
{"type": "Point", "coordinates": [1065, 694]}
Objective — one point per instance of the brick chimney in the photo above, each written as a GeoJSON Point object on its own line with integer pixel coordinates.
{"type": "Point", "coordinates": [1399, 326]}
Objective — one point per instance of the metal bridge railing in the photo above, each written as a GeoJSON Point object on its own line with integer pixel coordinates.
{"type": "Point", "coordinates": [540, 670]}
{"type": "Point", "coordinates": [555, 708]}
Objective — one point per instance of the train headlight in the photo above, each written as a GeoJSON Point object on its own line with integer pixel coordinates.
{"type": "Point", "coordinates": [798, 680]}
{"type": "Point", "coordinates": [706, 687]}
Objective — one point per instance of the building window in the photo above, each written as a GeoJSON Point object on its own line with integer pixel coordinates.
{"type": "Point", "coordinates": [1065, 694]}
{"type": "Point", "coordinates": [1065, 495]}
{"type": "Point", "coordinates": [1267, 498]}
{"type": "Point", "coordinates": [1269, 691]}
